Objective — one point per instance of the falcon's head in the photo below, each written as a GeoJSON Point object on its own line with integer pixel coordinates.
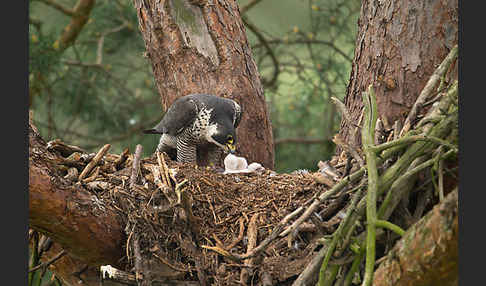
{"type": "Point", "coordinates": [223, 135]}
{"type": "Point", "coordinates": [222, 127]}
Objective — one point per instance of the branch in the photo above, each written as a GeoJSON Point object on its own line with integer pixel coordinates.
{"type": "Point", "coordinates": [261, 38]}
{"type": "Point", "coordinates": [248, 6]}
{"type": "Point", "coordinates": [428, 251]}
{"type": "Point", "coordinates": [428, 89]}
{"type": "Point", "coordinates": [301, 140]}
{"type": "Point", "coordinates": [79, 18]}
{"type": "Point", "coordinates": [47, 263]}
{"type": "Point", "coordinates": [307, 41]}
{"type": "Point", "coordinates": [58, 6]}
{"type": "Point", "coordinates": [368, 139]}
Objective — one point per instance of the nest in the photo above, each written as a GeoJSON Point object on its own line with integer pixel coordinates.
{"type": "Point", "coordinates": [183, 222]}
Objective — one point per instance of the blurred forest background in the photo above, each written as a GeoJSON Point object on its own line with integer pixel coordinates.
{"type": "Point", "coordinates": [100, 89]}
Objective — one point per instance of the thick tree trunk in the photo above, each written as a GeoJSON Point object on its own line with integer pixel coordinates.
{"type": "Point", "coordinates": [398, 46]}
{"type": "Point", "coordinates": [197, 47]}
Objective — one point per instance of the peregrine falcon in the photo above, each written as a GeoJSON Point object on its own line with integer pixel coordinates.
{"type": "Point", "coordinates": [198, 121]}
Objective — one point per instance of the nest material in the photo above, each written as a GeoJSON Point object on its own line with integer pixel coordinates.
{"type": "Point", "coordinates": [200, 207]}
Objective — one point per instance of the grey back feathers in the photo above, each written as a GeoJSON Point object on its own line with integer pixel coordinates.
{"type": "Point", "coordinates": [196, 119]}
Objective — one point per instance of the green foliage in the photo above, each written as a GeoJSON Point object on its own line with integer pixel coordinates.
{"type": "Point", "coordinates": [89, 96]}
{"type": "Point", "coordinates": [42, 56]}
{"type": "Point", "coordinates": [89, 100]}
{"type": "Point", "coordinates": [314, 51]}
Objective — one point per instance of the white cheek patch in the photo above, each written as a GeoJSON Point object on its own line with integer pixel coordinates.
{"type": "Point", "coordinates": [210, 131]}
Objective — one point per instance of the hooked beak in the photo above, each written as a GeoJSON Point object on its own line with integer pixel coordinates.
{"type": "Point", "coordinates": [231, 148]}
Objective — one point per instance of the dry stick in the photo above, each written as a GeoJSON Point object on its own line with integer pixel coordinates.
{"type": "Point", "coordinates": [240, 234]}
{"type": "Point", "coordinates": [348, 148]}
{"type": "Point", "coordinates": [344, 110]}
{"type": "Point", "coordinates": [49, 262]}
{"type": "Point", "coordinates": [252, 234]}
{"type": "Point", "coordinates": [338, 141]}
{"type": "Point", "coordinates": [135, 165]}
{"type": "Point", "coordinates": [163, 166]}
{"type": "Point", "coordinates": [94, 161]}
{"type": "Point", "coordinates": [156, 173]}
{"type": "Point", "coordinates": [138, 258]}
{"type": "Point", "coordinates": [428, 89]}
{"type": "Point", "coordinates": [334, 190]}
{"type": "Point", "coordinates": [123, 157]}
{"type": "Point", "coordinates": [311, 269]}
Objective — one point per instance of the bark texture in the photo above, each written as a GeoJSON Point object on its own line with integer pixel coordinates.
{"type": "Point", "coordinates": [428, 252]}
{"type": "Point", "coordinates": [65, 212]}
{"type": "Point", "coordinates": [201, 47]}
{"type": "Point", "coordinates": [398, 46]}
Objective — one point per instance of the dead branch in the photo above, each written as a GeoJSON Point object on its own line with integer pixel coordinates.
{"type": "Point", "coordinates": [428, 89]}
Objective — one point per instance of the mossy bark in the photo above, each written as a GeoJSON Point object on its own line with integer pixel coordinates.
{"type": "Point", "coordinates": [428, 252]}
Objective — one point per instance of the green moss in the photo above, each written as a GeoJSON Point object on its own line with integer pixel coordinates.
{"type": "Point", "coordinates": [184, 15]}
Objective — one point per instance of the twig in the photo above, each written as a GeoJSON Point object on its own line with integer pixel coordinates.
{"type": "Point", "coordinates": [330, 275]}
{"type": "Point", "coordinates": [123, 157]}
{"type": "Point", "coordinates": [261, 38]}
{"type": "Point", "coordinates": [368, 141]}
{"type": "Point", "coordinates": [49, 262]}
{"type": "Point", "coordinates": [338, 187]}
{"type": "Point", "coordinates": [440, 170]}
{"type": "Point", "coordinates": [248, 6]}
{"type": "Point", "coordinates": [311, 269]}
{"type": "Point", "coordinates": [393, 197]}
{"type": "Point", "coordinates": [135, 165]}
{"type": "Point", "coordinates": [138, 258]}
{"type": "Point", "coordinates": [429, 88]}
{"type": "Point", "coordinates": [158, 182]}
{"type": "Point", "coordinates": [388, 225]}
{"type": "Point", "coordinates": [79, 18]}
{"type": "Point", "coordinates": [410, 140]}
{"type": "Point", "coordinates": [163, 167]}
{"type": "Point", "coordinates": [354, 267]}
{"type": "Point", "coordinates": [343, 110]}
{"type": "Point", "coordinates": [101, 41]}
{"type": "Point", "coordinates": [240, 234]}
{"type": "Point", "coordinates": [58, 6]}
{"type": "Point", "coordinates": [421, 204]}
{"type": "Point", "coordinates": [252, 234]}
{"type": "Point", "coordinates": [299, 140]}
{"type": "Point", "coordinates": [338, 235]}
{"type": "Point", "coordinates": [94, 161]}
{"type": "Point", "coordinates": [308, 41]}
{"type": "Point", "coordinates": [348, 148]}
